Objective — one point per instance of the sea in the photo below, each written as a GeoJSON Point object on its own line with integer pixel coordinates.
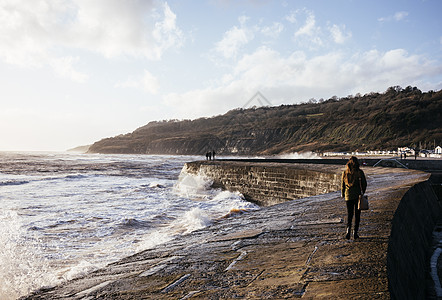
{"type": "Point", "coordinates": [63, 215]}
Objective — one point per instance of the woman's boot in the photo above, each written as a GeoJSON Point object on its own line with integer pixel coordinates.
{"type": "Point", "coordinates": [347, 236]}
{"type": "Point", "coordinates": [356, 235]}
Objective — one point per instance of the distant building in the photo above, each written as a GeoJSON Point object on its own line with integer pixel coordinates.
{"type": "Point", "coordinates": [438, 150]}
{"type": "Point", "coordinates": [403, 150]}
{"type": "Point", "coordinates": [406, 150]}
{"type": "Point", "coordinates": [424, 153]}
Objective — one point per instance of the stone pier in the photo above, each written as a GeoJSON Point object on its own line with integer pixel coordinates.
{"type": "Point", "coordinates": [292, 249]}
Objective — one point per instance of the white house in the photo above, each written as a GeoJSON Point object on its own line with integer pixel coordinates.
{"type": "Point", "coordinates": [438, 150]}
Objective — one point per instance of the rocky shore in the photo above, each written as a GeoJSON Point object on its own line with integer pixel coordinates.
{"type": "Point", "coordinates": [290, 250]}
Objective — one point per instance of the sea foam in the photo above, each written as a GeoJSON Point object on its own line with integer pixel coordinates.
{"type": "Point", "coordinates": [299, 155]}
{"type": "Point", "coordinates": [23, 267]}
{"type": "Point", "coordinates": [189, 184]}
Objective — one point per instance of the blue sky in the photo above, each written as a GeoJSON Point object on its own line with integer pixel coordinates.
{"type": "Point", "coordinates": [75, 71]}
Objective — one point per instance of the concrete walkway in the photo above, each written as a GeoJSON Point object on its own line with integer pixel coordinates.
{"type": "Point", "coordinates": [290, 250]}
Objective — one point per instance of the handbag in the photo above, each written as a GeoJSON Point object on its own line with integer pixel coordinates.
{"type": "Point", "coordinates": [363, 199]}
{"type": "Point", "coordinates": [363, 202]}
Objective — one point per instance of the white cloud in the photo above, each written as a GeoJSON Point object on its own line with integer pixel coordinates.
{"type": "Point", "coordinates": [31, 32]}
{"type": "Point", "coordinates": [291, 18]}
{"type": "Point", "coordinates": [273, 31]}
{"type": "Point", "coordinates": [398, 16]}
{"type": "Point", "coordinates": [394, 67]}
{"type": "Point", "coordinates": [148, 82]}
{"type": "Point", "coordinates": [234, 39]}
{"type": "Point", "coordinates": [309, 32]}
{"type": "Point", "coordinates": [282, 79]}
{"type": "Point", "coordinates": [309, 27]}
{"type": "Point", "coordinates": [339, 33]}
{"type": "Point", "coordinates": [64, 67]}
{"type": "Point", "coordinates": [166, 33]}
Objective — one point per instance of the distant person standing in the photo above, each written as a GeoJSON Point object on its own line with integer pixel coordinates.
{"type": "Point", "coordinates": [353, 184]}
{"type": "Point", "coordinates": [213, 154]}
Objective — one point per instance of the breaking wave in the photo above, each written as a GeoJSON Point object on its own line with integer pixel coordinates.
{"type": "Point", "coordinates": [299, 155]}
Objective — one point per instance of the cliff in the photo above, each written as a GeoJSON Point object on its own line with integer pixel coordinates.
{"type": "Point", "coordinates": [80, 149]}
{"type": "Point", "coordinates": [398, 117]}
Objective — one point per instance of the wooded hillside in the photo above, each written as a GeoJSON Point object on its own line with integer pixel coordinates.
{"type": "Point", "coordinates": [374, 121]}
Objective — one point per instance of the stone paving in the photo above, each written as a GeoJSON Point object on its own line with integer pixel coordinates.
{"type": "Point", "coordinates": [291, 250]}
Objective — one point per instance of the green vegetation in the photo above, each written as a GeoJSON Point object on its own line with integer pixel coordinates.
{"type": "Point", "coordinates": [375, 121]}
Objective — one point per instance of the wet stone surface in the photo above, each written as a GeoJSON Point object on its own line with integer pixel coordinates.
{"type": "Point", "coordinates": [291, 250]}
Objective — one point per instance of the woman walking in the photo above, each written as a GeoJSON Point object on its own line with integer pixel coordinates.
{"type": "Point", "coordinates": [353, 184]}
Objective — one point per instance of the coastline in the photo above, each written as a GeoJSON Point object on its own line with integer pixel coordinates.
{"type": "Point", "coordinates": [289, 250]}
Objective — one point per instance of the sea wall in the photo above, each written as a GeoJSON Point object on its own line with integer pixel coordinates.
{"type": "Point", "coordinates": [409, 247]}
{"type": "Point", "coordinates": [269, 184]}
{"type": "Point", "coordinates": [427, 165]}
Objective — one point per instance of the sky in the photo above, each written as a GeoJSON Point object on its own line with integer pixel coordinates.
{"type": "Point", "coordinates": [75, 71]}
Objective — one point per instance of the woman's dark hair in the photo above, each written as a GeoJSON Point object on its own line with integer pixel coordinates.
{"type": "Point", "coordinates": [351, 171]}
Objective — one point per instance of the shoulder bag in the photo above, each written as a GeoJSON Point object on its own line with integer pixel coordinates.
{"type": "Point", "coordinates": [363, 199]}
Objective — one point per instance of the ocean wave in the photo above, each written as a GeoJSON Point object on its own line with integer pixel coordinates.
{"type": "Point", "coordinates": [62, 223]}
{"type": "Point", "coordinates": [21, 181]}
{"type": "Point", "coordinates": [134, 223]}
{"type": "Point", "coordinates": [23, 267]}
{"type": "Point", "coordinates": [82, 268]}
{"type": "Point", "coordinates": [152, 239]}
{"type": "Point", "coordinates": [211, 204]}
{"type": "Point", "coordinates": [68, 177]}
{"type": "Point", "coordinates": [230, 204]}
{"type": "Point", "coordinates": [192, 220]}
{"type": "Point", "coordinates": [162, 219]}
{"type": "Point", "coordinates": [76, 176]}
{"type": "Point", "coordinates": [189, 185]}
{"type": "Point", "coordinates": [156, 185]}
{"type": "Point", "coordinates": [299, 155]}
{"type": "Point", "coordinates": [35, 228]}
{"type": "Point", "coordinates": [13, 182]}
